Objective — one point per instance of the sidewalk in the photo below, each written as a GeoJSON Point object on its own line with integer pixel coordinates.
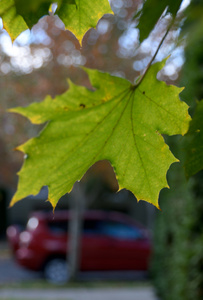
{"type": "Point", "coordinates": [145, 293]}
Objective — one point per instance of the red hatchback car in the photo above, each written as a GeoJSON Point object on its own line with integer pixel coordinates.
{"type": "Point", "coordinates": [110, 241]}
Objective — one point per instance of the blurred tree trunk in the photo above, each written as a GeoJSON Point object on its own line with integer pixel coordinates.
{"type": "Point", "coordinates": [75, 230]}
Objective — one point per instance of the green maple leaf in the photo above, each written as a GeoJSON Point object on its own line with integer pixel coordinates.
{"type": "Point", "coordinates": [193, 143]}
{"type": "Point", "coordinates": [32, 11]}
{"type": "Point", "coordinates": [116, 121]}
{"type": "Point", "coordinates": [84, 15]}
{"type": "Point", "coordinates": [78, 16]}
{"type": "Point", "coordinates": [13, 23]}
{"type": "Point", "coordinates": [152, 11]}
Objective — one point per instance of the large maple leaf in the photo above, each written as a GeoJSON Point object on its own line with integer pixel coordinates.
{"type": "Point", "coordinates": [116, 121]}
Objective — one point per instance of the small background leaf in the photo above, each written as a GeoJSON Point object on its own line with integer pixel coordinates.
{"type": "Point", "coordinates": [78, 16]}
{"type": "Point", "coordinates": [84, 15]}
{"type": "Point", "coordinates": [152, 11]}
{"type": "Point", "coordinates": [13, 23]}
{"type": "Point", "coordinates": [32, 11]}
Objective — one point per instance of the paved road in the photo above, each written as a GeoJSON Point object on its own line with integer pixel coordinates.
{"type": "Point", "coordinates": [11, 272]}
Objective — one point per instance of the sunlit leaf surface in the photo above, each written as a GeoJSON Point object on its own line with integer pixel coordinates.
{"type": "Point", "coordinates": [115, 121]}
{"type": "Point", "coordinates": [84, 15]}
{"type": "Point", "coordinates": [12, 22]}
{"type": "Point", "coordinates": [78, 16]}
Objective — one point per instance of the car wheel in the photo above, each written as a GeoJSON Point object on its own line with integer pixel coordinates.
{"type": "Point", "coordinates": [56, 271]}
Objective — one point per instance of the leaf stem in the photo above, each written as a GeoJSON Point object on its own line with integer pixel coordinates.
{"type": "Point", "coordinates": [154, 56]}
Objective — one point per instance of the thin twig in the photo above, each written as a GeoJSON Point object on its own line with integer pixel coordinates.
{"type": "Point", "coordinates": [154, 56]}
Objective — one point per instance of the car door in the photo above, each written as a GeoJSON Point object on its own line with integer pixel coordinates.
{"type": "Point", "coordinates": [129, 248]}
{"type": "Point", "coordinates": [95, 246]}
{"type": "Point", "coordinates": [112, 245]}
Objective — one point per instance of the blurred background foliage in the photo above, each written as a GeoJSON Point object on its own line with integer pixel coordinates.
{"type": "Point", "coordinates": [177, 266]}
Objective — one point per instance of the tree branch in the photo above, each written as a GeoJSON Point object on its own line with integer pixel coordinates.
{"type": "Point", "coordinates": [155, 54]}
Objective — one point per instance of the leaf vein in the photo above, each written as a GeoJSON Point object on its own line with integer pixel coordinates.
{"type": "Point", "coordinates": [136, 146]}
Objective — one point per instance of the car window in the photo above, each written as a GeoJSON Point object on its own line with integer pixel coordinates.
{"type": "Point", "coordinates": [121, 231]}
{"type": "Point", "coordinates": [111, 229]}
{"type": "Point", "coordinates": [58, 226]}
{"type": "Point", "coordinates": [92, 226]}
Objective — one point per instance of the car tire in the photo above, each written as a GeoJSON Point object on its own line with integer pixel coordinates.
{"type": "Point", "coordinates": [56, 271]}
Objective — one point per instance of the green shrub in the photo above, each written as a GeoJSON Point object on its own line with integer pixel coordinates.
{"type": "Point", "coordinates": [177, 266]}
